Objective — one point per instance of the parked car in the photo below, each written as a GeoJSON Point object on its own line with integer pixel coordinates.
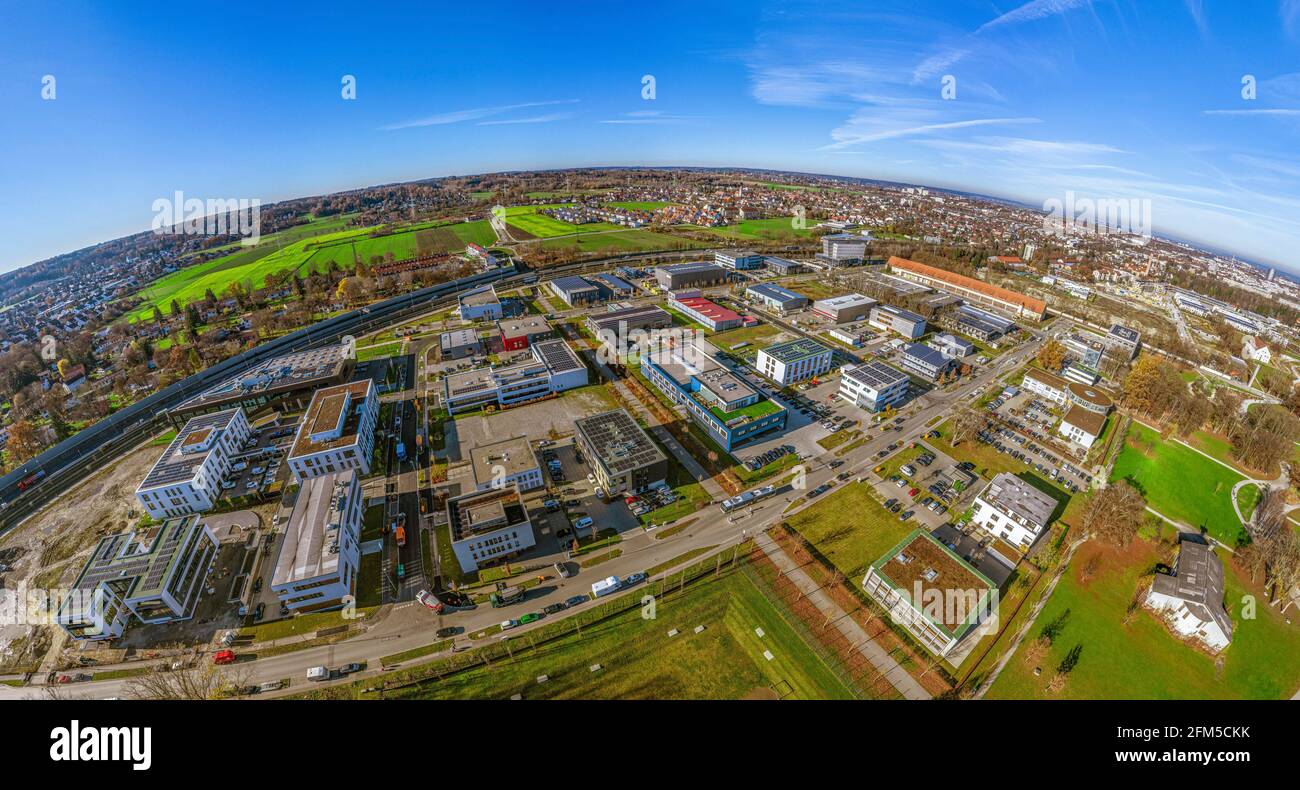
{"type": "Point", "coordinates": [348, 669]}
{"type": "Point", "coordinates": [531, 617]}
{"type": "Point", "coordinates": [223, 657]}
{"type": "Point", "coordinates": [576, 600]}
{"type": "Point", "coordinates": [506, 625]}
{"type": "Point", "coordinates": [553, 608]}
{"type": "Point", "coordinates": [634, 578]}
{"type": "Point", "coordinates": [446, 631]}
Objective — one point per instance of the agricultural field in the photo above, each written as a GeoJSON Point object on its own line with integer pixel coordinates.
{"type": "Point", "coordinates": [640, 205]}
{"type": "Point", "coordinates": [304, 249]}
{"type": "Point", "coordinates": [416, 243]}
{"type": "Point", "coordinates": [1141, 659]}
{"type": "Point", "coordinates": [774, 228]}
{"type": "Point", "coordinates": [640, 661]}
{"type": "Point", "coordinates": [532, 222]}
{"type": "Point", "coordinates": [850, 529]}
{"type": "Point", "coordinates": [1180, 483]}
{"type": "Point", "coordinates": [616, 240]}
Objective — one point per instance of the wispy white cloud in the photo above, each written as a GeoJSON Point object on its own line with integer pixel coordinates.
{"type": "Point", "coordinates": [1289, 10]}
{"type": "Point", "coordinates": [1031, 11]}
{"type": "Point", "coordinates": [555, 116]}
{"type": "Point", "coordinates": [865, 127]}
{"type": "Point", "coordinates": [1197, 9]}
{"type": "Point", "coordinates": [1276, 111]}
{"type": "Point", "coordinates": [472, 114]}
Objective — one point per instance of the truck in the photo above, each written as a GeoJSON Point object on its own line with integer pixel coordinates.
{"type": "Point", "coordinates": [400, 532]}
{"type": "Point", "coordinates": [606, 586]}
{"type": "Point", "coordinates": [401, 451]}
{"type": "Point", "coordinates": [504, 596]}
{"type": "Point", "coordinates": [318, 673]}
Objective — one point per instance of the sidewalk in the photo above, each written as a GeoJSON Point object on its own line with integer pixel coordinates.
{"type": "Point", "coordinates": [881, 660]}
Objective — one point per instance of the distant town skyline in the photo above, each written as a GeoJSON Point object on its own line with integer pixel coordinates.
{"type": "Point", "coordinates": [1028, 103]}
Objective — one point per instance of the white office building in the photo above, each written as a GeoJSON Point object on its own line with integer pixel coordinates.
{"type": "Point", "coordinates": [320, 550]}
{"type": "Point", "coordinates": [188, 476]}
{"type": "Point", "coordinates": [337, 432]}
{"type": "Point", "coordinates": [506, 463]}
{"type": "Point", "coordinates": [873, 385]}
{"type": "Point", "coordinates": [1013, 510]}
{"type": "Point", "coordinates": [488, 526]}
{"type": "Point", "coordinates": [794, 361]}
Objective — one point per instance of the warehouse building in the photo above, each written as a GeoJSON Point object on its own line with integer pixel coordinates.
{"type": "Point", "coordinates": [844, 309]}
{"type": "Point", "coordinates": [691, 275]}
{"type": "Point", "coordinates": [783, 266]}
{"type": "Point", "coordinates": [952, 346]}
{"type": "Point", "coordinates": [774, 297]}
{"type": "Point", "coordinates": [622, 457]}
{"type": "Point", "coordinates": [577, 291]}
{"type": "Point", "coordinates": [702, 311]}
{"type": "Point", "coordinates": [286, 382]}
{"type": "Point", "coordinates": [888, 318]}
{"type": "Point", "coordinates": [970, 289]}
{"type": "Point", "coordinates": [738, 259]}
{"type": "Point", "coordinates": [618, 323]}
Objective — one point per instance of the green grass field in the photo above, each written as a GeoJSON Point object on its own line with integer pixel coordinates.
{"type": "Point", "coordinates": [616, 241]}
{"type": "Point", "coordinates": [531, 221]}
{"type": "Point", "coordinates": [850, 528]}
{"type": "Point", "coordinates": [754, 335]}
{"type": "Point", "coordinates": [1180, 483]}
{"type": "Point", "coordinates": [304, 249]}
{"type": "Point", "coordinates": [1142, 659]}
{"type": "Point", "coordinates": [640, 205]}
{"type": "Point", "coordinates": [640, 661]}
{"type": "Point", "coordinates": [774, 228]}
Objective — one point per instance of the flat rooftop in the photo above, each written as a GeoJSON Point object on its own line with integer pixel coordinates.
{"type": "Point", "coordinates": [298, 370]}
{"type": "Point", "coordinates": [335, 408]}
{"type": "Point", "coordinates": [308, 548]}
{"type": "Point", "coordinates": [478, 512]}
{"type": "Point", "coordinates": [523, 326]}
{"type": "Point", "coordinates": [188, 450]}
{"type": "Point", "coordinates": [1088, 394]}
{"type": "Point", "coordinates": [841, 302]}
{"type": "Point", "coordinates": [1011, 494]}
{"type": "Point", "coordinates": [921, 562]}
{"type": "Point", "coordinates": [457, 338]}
{"type": "Point", "coordinates": [875, 374]}
{"type": "Point", "coordinates": [925, 354]}
{"type": "Point", "coordinates": [477, 297]}
{"type": "Point", "coordinates": [776, 292]}
{"type": "Point", "coordinates": [1089, 421]}
{"type": "Point", "coordinates": [557, 356]}
{"type": "Point", "coordinates": [634, 316]}
{"type": "Point", "coordinates": [694, 266]}
{"type": "Point", "coordinates": [620, 444]}
{"type": "Point", "coordinates": [573, 284]}
{"type": "Point", "coordinates": [507, 457]}
{"type": "Point", "coordinates": [708, 309]}
{"type": "Point", "coordinates": [795, 350]}
{"type": "Point", "coordinates": [135, 564]}
{"type": "Point", "coordinates": [899, 312]}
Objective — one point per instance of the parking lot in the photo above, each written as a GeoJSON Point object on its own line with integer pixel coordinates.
{"type": "Point", "coordinates": [257, 468]}
{"type": "Point", "coordinates": [1022, 427]}
{"type": "Point", "coordinates": [927, 484]}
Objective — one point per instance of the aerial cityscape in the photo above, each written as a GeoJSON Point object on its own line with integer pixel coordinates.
{"type": "Point", "coordinates": [496, 412]}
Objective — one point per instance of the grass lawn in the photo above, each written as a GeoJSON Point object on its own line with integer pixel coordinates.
{"type": "Point", "coordinates": [1143, 660]}
{"type": "Point", "coordinates": [530, 220]}
{"type": "Point", "coordinates": [617, 241]}
{"type": "Point", "coordinates": [1221, 449]}
{"type": "Point", "coordinates": [377, 351]}
{"type": "Point", "coordinates": [640, 661]}
{"type": "Point", "coordinates": [763, 472]}
{"type": "Point", "coordinates": [1180, 483]}
{"type": "Point", "coordinates": [774, 228]}
{"type": "Point", "coordinates": [750, 334]}
{"type": "Point", "coordinates": [850, 528]}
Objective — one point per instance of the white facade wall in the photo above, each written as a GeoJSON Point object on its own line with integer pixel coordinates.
{"type": "Point", "coordinates": [1005, 525]}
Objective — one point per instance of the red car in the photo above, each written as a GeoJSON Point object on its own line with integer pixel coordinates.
{"type": "Point", "coordinates": [224, 657]}
{"type": "Point", "coordinates": [914, 492]}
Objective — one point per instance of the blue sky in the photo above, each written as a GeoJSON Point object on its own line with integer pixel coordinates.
{"type": "Point", "coordinates": [1109, 99]}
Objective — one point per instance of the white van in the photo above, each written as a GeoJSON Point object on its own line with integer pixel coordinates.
{"type": "Point", "coordinates": [582, 523]}
{"type": "Point", "coordinates": [605, 586]}
{"type": "Point", "coordinates": [318, 673]}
